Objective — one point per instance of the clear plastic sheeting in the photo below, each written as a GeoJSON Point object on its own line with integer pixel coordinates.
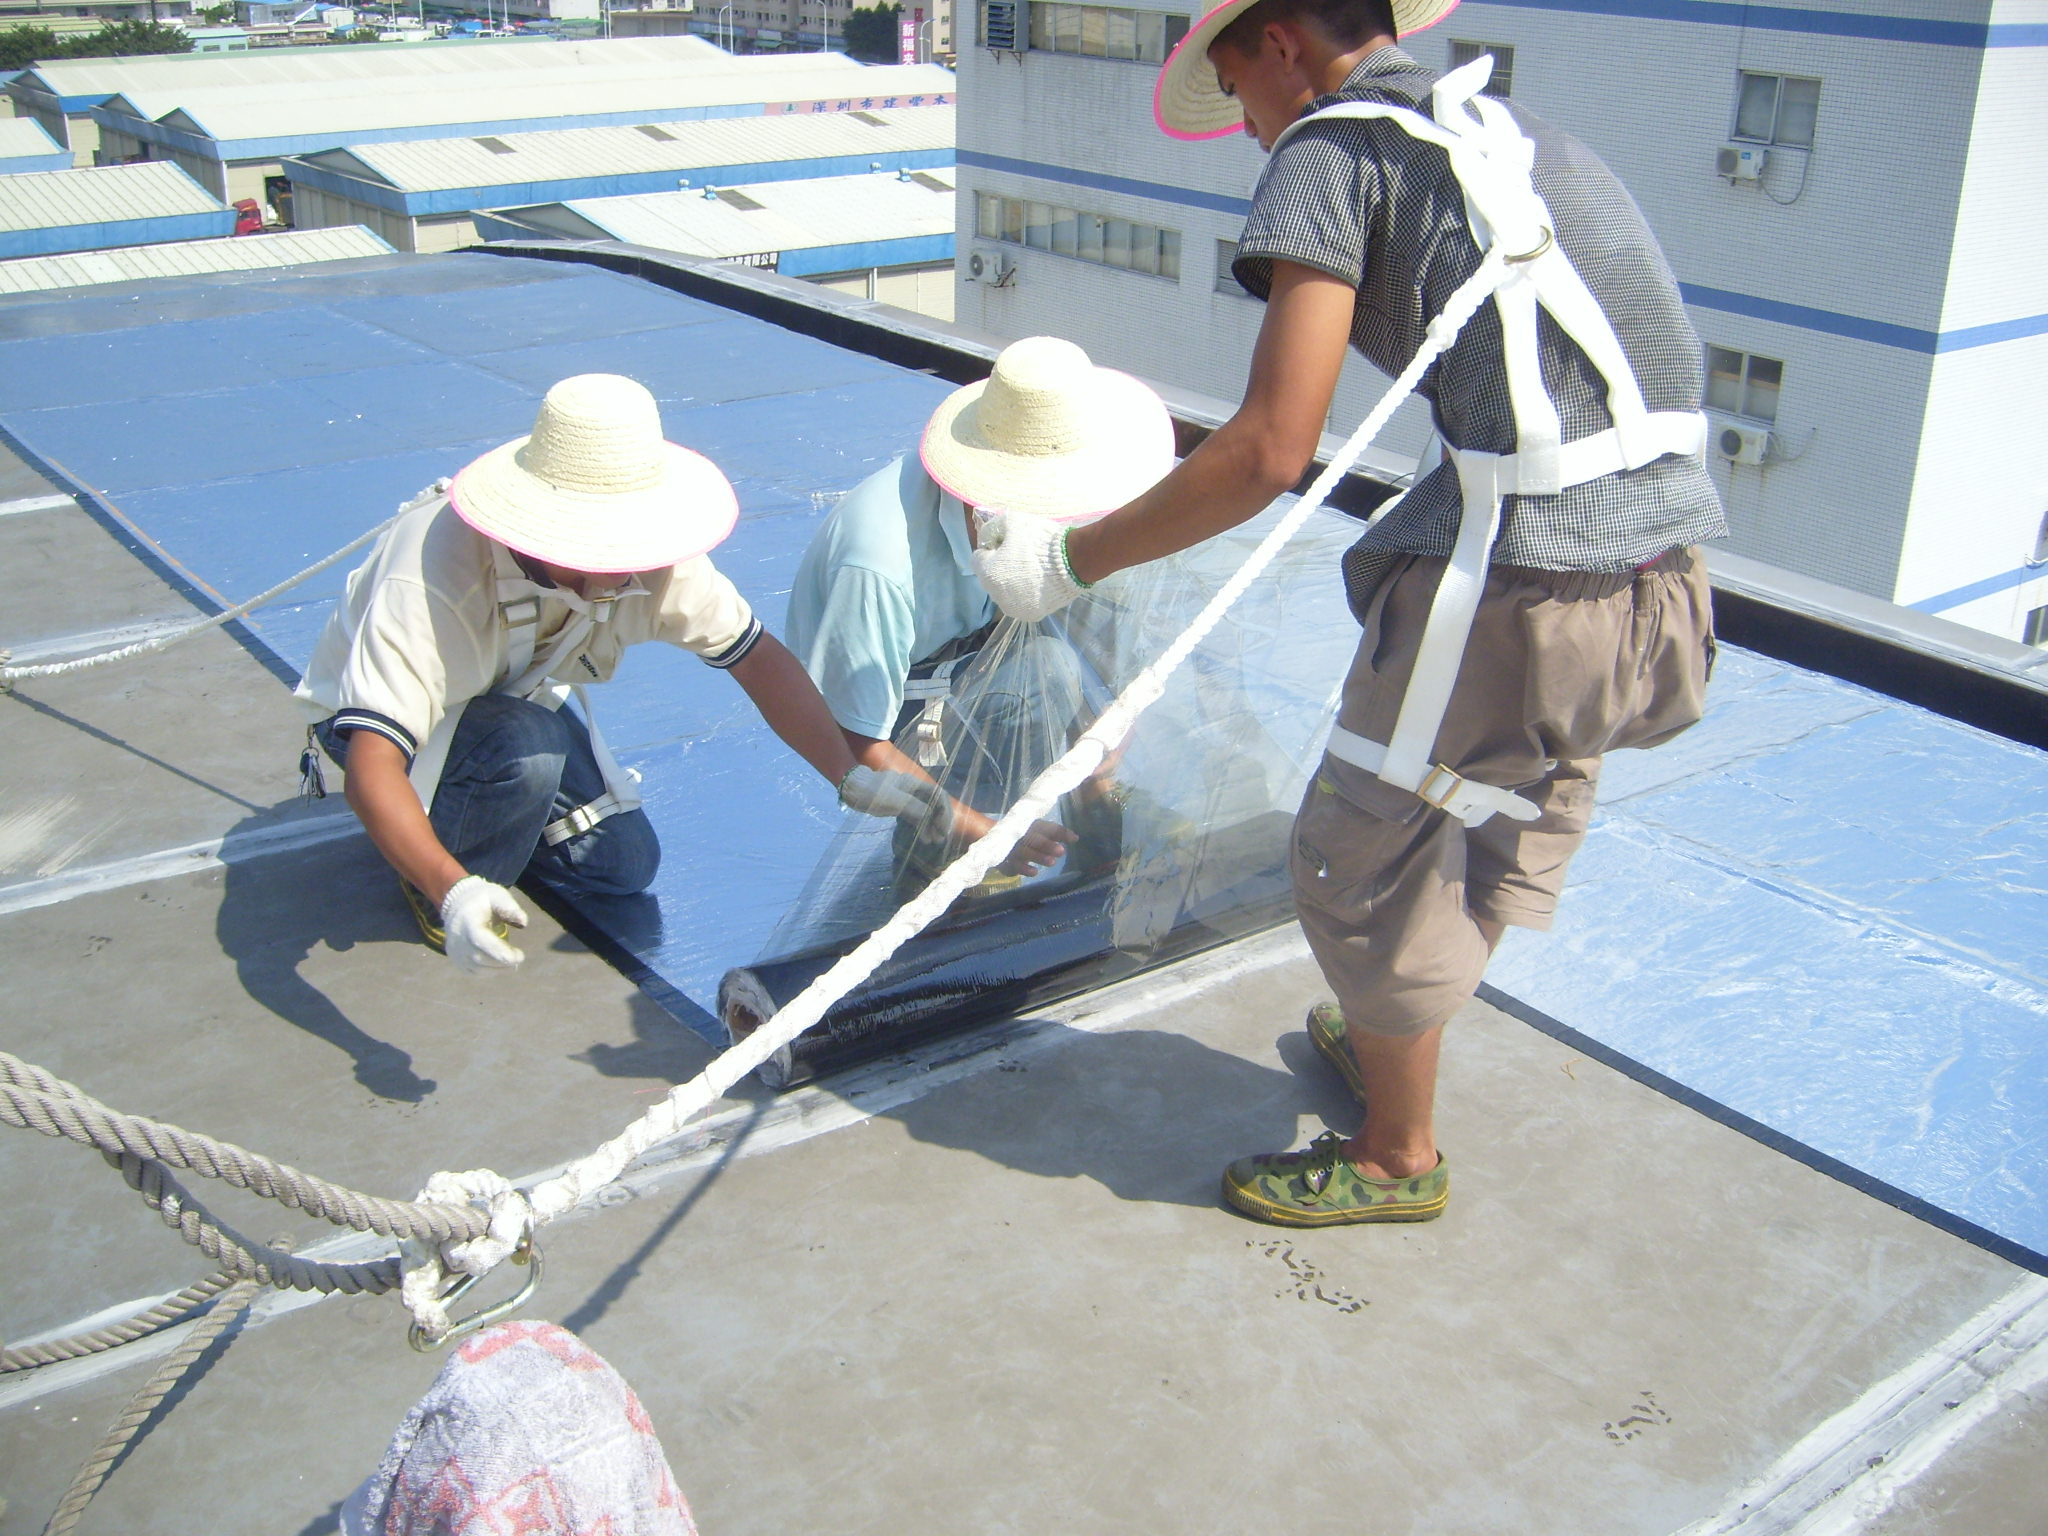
{"type": "Point", "coordinates": [1179, 839]}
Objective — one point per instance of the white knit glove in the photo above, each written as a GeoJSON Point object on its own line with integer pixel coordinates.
{"type": "Point", "coordinates": [475, 915]}
{"type": "Point", "coordinates": [886, 792]}
{"type": "Point", "coordinates": [1022, 560]}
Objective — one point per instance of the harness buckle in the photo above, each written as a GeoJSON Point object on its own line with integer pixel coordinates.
{"type": "Point", "coordinates": [1436, 793]}
{"type": "Point", "coordinates": [520, 611]}
{"type": "Point", "coordinates": [526, 1253]}
{"type": "Point", "coordinates": [1541, 246]}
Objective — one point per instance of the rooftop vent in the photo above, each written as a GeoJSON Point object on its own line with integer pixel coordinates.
{"type": "Point", "coordinates": [496, 146]}
{"type": "Point", "coordinates": [656, 133]}
{"type": "Point", "coordinates": [1005, 26]}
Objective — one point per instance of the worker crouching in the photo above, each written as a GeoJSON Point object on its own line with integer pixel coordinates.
{"type": "Point", "coordinates": [442, 681]}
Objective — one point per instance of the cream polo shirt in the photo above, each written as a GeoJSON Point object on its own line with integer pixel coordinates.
{"type": "Point", "coordinates": [418, 634]}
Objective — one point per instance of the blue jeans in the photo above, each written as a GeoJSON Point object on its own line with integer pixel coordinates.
{"type": "Point", "coordinates": [514, 767]}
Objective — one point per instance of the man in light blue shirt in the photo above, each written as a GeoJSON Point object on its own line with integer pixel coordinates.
{"type": "Point", "coordinates": [886, 611]}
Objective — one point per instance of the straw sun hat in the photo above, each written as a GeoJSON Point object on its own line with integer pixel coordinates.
{"type": "Point", "coordinates": [1049, 434]}
{"type": "Point", "coordinates": [595, 487]}
{"type": "Point", "coordinates": [1189, 104]}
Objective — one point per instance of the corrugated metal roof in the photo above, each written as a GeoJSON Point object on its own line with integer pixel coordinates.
{"type": "Point", "coordinates": [793, 215]}
{"type": "Point", "coordinates": [267, 68]}
{"type": "Point", "coordinates": [429, 165]}
{"type": "Point", "coordinates": [24, 136]}
{"type": "Point", "coordinates": [109, 194]}
{"type": "Point", "coordinates": [356, 107]}
{"type": "Point", "coordinates": [184, 258]}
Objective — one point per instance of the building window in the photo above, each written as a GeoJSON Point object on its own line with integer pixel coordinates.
{"type": "Point", "coordinates": [1743, 384]}
{"type": "Point", "coordinates": [1503, 82]}
{"type": "Point", "coordinates": [1777, 109]}
{"type": "Point", "coordinates": [1226, 280]}
{"type": "Point", "coordinates": [2037, 627]}
{"type": "Point", "coordinates": [1108, 242]}
{"type": "Point", "coordinates": [1102, 31]}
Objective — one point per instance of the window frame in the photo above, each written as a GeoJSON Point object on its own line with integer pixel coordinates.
{"type": "Point", "coordinates": [1775, 138]}
{"type": "Point", "coordinates": [1746, 384]}
{"type": "Point", "coordinates": [1501, 87]}
{"type": "Point", "coordinates": [1149, 250]}
{"type": "Point", "coordinates": [1078, 29]}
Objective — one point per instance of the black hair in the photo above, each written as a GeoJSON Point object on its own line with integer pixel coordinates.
{"type": "Point", "coordinates": [1346, 23]}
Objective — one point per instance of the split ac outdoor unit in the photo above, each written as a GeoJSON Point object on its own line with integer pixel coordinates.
{"type": "Point", "coordinates": [1743, 445]}
{"type": "Point", "coordinates": [1006, 25]}
{"type": "Point", "coordinates": [992, 267]}
{"type": "Point", "coordinates": [1740, 162]}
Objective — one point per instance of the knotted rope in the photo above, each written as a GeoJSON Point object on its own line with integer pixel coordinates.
{"type": "Point", "coordinates": [468, 1223]}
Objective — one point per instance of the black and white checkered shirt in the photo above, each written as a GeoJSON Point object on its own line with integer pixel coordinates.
{"type": "Point", "coordinates": [1362, 200]}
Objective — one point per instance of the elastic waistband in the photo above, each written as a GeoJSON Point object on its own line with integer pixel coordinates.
{"type": "Point", "coordinates": [1573, 585]}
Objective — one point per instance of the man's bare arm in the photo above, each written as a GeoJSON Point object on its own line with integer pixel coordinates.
{"type": "Point", "coordinates": [389, 808]}
{"type": "Point", "coordinates": [1260, 453]}
{"type": "Point", "coordinates": [1039, 848]}
{"type": "Point", "coordinates": [794, 709]}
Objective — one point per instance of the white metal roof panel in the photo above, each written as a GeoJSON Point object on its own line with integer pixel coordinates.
{"type": "Point", "coordinates": [184, 258]}
{"type": "Point", "coordinates": [428, 165]}
{"type": "Point", "coordinates": [107, 194]}
{"type": "Point", "coordinates": [24, 136]}
{"type": "Point", "coordinates": [794, 215]}
{"type": "Point", "coordinates": [242, 115]}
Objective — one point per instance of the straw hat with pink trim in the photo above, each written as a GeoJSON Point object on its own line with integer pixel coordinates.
{"type": "Point", "coordinates": [1049, 434]}
{"type": "Point", "coordinates": [595, 487]}
{"type": "Point", "coordinates": [1189, 104]}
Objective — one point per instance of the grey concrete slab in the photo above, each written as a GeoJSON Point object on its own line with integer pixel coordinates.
{"type": "Point", "coordinates": [1014, 1304]}
{"type": "Point", "coordinates": [1995, 1483]}
{"type": "Point", "coordinates": [67, 576]}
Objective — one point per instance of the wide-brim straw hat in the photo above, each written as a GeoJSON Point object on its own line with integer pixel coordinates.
{"type": "Point", "coordinates": [595, 486]}
{"type": "Point", "coordinates": [1187, 101]}
{"type": "Point", "coordinates": [1049, 434]}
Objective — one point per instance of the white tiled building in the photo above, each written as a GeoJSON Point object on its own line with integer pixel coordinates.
{"type": "Point", "coordinates": [1874, 299]}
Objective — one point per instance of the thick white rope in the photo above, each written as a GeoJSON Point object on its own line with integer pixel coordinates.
{"type": "Point", "coordinates": [9, 676]}
{"type": "Point", "coordinates": [514, 1212]}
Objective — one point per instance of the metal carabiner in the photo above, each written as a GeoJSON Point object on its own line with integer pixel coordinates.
{"type": "Point", "coordinates": [526, 1253]}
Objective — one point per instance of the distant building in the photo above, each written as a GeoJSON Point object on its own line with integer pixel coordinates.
{"type": "Point", "coordinates": [419, 194]}
{"type": "Point", "coordinates": [887, 237]}
{"type": "Point", "coordinates": [25, 147]}
{"type": "Point", "coordinates": [247, 253]}
{"type": "Point", "coordinates": [218, 39]}
{"type": "Point", "coordinates": [754, 26]}
{"type": "Point", "coordinates": [1853, 202]}
{"type": "Point", "coordinates": [50, 212]}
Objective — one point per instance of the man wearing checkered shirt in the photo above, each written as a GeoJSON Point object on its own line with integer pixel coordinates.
{"type": "Point", "coordinates": [1593, 628]}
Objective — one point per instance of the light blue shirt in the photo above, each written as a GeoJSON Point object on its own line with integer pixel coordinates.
{"type": "Point", "coordinates": [887, 581]}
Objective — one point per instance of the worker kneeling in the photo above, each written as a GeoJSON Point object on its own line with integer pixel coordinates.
{"type": "Point", "coordinates": [440, 682]}
{"type": "Point", "coordinates": [902, 639]}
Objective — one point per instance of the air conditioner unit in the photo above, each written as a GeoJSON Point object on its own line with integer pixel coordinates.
{"type": "Point", "coordinates": [1006, 25]}
{"type": "Point", "coordinates": [1740, 444]}
{"type": "Point", "coordinates": [1740, 162]}
{"type": "Point", "coordinates": [992, 267]}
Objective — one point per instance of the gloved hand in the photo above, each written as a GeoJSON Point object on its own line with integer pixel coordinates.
{"type": "Point", "coordinates": [886, 792]}
{"type": "Point", "coordinates": [1022, 560]}
{"type": "Point", "coordinates": [475, 915]}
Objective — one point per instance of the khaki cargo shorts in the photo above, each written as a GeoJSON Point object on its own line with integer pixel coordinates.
{"type": "Point", "coordinates": [1561, 668]}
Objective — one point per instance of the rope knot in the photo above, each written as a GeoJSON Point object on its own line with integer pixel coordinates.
{"type": "Point", "coordinates": [431, 1268]}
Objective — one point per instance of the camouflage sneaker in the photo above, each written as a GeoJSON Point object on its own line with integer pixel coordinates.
{"type": "Point", "coordinates": [424, 914]}
{"type": "Point", "coordinates": [1319, 1188]}
{"type": "Point", "coordinates": [1326, 1029]}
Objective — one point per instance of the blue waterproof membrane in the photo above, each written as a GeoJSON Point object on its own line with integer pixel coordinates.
{"type": "Point", "coordinates": [1821, 909]}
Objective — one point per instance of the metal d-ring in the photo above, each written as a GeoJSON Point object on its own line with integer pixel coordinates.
{"type": "Point", "coordinates": [1541, 246]}
{"type": "Point", "coordinates": [526, 1253]}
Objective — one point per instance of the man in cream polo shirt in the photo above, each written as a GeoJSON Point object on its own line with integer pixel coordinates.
{"type": "Point", "coordinates": [440, 681]}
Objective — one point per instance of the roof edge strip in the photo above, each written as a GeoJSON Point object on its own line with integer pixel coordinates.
{"type": "Point", "coordinates": [1945, 668]}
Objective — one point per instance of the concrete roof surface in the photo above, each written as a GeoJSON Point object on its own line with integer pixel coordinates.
{"type": "Point", "coordinates": [427, 165]}
{"type": "Point", "coordinates": [185, 258]}
{"type": "Point", "coordinates": [109, 194]}
{"type": "Point", "coordinates": [984, 1284]}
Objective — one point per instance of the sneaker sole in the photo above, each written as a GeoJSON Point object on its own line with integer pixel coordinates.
{"type": "Point", "coordinates": [1338, 1055]}
{"type": "Point", "coordinates": [1261, 1209]}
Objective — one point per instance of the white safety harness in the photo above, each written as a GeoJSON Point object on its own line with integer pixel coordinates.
{"type": "Point", "coordinates": [1494, 162]}
{"type": "Point", "coordinates": [527, 676]}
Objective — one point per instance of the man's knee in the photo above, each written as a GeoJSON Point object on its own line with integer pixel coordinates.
{"type": "Point", "coordinates": [620, 856]}
{"type": "Point", "coordinates": [511, 741]}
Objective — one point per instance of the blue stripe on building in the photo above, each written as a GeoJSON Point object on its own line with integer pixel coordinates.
{"type": "Point", "coordinates": [1805, 317]}
{"type": "Point", "coordinates": [1990, 586]}
{"type": "Point", "coordinates": [1778, 18]}
{"type": "Point", "coordinates": [63, 239]}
